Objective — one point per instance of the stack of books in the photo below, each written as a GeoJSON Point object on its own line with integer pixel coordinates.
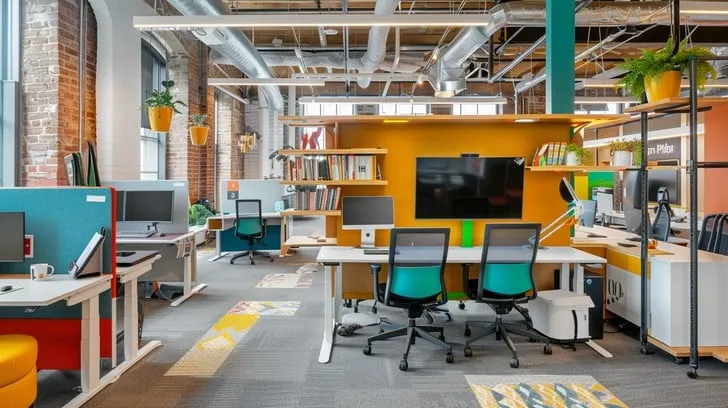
{"type": "Point", "coordinates": [334, 167]}
{"type": "Point", "coordinates": [317, 198]}
{"type": "Point", "coordinates": [550, 154]}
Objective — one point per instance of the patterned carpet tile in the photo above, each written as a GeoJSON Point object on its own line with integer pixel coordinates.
{"type": "Point", "coordinates": [541, 391]}
{"type": "Point", "coordinates": [301, 279]}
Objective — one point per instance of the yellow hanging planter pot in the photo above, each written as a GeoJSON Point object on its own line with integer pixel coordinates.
{"type": "Point", "coordinates": [198, 135]}
{"type": "Point", "coordinates": [663, 86]}
{"type": "Point", "coordinates": [160, 118]}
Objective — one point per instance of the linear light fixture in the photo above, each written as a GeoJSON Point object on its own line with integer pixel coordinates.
{"type": "Point", "coordinates": [604, 99]}
{"type": "Point", "coordinates": [263, 81]}
{"type": "Point", "coordinates": [704, 7]}
{"type": "Point", "coordinates": [275, 21]}
{"type": "Point", "coordinates": [612, 83]}
{"type": "Point", "coordinates": [428, 100]}
{"type": "Point", "coordinates": [395, 120]}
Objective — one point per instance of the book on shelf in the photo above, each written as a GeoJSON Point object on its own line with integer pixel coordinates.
{"type": "Point", "coordinates": [334, 167]}
{"type": "Point", "coordinates": [550, 154]}
{"type": "Point", "coordinates": [315, 198]}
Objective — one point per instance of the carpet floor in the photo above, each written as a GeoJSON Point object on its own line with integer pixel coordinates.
{"type": "Point", "coordinates": [273, 361]}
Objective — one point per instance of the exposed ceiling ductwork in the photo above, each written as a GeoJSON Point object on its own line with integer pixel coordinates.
{"type": "Point", "coordinates": [376, 43]}
{"type": "Point", "coordinates": [233, 45]}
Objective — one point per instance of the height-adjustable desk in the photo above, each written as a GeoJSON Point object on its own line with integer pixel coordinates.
{"type": "Point", "coordinates": [333, 259]}
{"type": "Point", "coordinates": [226, 242]}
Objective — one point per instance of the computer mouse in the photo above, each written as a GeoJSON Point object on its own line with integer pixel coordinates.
{"type": "Point", "coordinates": [6, 288]}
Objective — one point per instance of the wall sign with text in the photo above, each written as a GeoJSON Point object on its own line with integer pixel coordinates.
{"type": "Point", "coordinates": [664, 149]}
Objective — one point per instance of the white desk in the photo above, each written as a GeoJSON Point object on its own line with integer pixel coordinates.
{"type": "Point", "coordinates": [132, 354]}
{"type": "Point", "coordinates": [74, 291]}
{"type": "Point", "coordinates": [336, 256]}
{"type": "Point", "coordinates": [222, 222]}
{"type": "Point", "coordinates": [177, 240]}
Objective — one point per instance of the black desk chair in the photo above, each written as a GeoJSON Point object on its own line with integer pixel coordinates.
{"type": "Point", "coordinates": [661, 223]}
{"type": "Point", "coordinates": [250, 226]}
{"type": "Point", "coordinates": [504, 285]}
{"type": "Point", "coordinates": [417, 259]}
{"type": "Point", "coordinates": [709, 232]}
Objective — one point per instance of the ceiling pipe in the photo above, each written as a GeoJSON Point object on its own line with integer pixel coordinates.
{"type": "Point", "coordinates": [232, 44]}
{"type": "Point", "coordinates": [377, 42]}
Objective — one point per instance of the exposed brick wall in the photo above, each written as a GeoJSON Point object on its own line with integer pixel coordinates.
{"type": "Point", "coordinates": [252, 159]}
{"type": "Point", "coordinates": [230, 122]}
{"type": "Point", "coordinates": [51, 89]}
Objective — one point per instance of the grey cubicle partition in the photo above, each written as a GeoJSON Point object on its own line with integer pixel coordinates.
{"type": "Point", "coordinates": [268, 191]}
{"type": "Point", "coordinates": [180, 213]}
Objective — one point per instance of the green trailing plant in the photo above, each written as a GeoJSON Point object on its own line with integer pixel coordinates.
{"type": "Point", "coordinates": [624, 146]}
{"type": "Point", "coordinates": [199, 213]}
{"type": "Point", "coordinates": [163, 98]}
{"type": "Point", "coordinates": [655, 62]}
{"type": "Point", "coordinates": [198, 119]}
{"type": "Point", "coordinates": [584, 155]}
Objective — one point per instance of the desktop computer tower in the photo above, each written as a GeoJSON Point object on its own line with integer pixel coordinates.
{"type": "Point", "coordinates": [594, 288]}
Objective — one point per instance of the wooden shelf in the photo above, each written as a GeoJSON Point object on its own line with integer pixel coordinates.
{"type": "Point", "coordinates": [334, 213]}
{"type": "Point", "coordinates": [313, 121]}
{"type": "Point", "coordinates": [675, 105]}
{"type": "Point", "coordinates": [719, 353]}
{"type": "Point", "coordinates": [566, 169]}
{"type": "Point", "coordinates": [330, 152]}
{"type": "Point", "coordinates": [335, 182]}
{"type": "Point", "coordinates": [623, 121]}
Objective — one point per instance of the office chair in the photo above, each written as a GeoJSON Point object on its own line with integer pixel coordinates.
{"type": "Point", "coordinates": [505, 281]}
{"type": "Point", "coordinates": [661, 223]}
{"type": "Point", "coordinates": [720, 236]}
{"type": "Point", "coordinates": [708, 232]}
{"type": "Point", "coordinates": [417, 259]}
{"type": "Point", "coordinates": [250, 226]}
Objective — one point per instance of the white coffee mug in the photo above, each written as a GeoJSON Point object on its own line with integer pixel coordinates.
{"type": "Point", "coordinates": [41, 271]}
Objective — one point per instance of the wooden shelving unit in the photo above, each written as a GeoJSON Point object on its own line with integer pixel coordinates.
{"type": "Point", "coordinates": [335, 182]}
{"type": "Point", "coordinates": [314, 121]}
{"type": "Point", "coordinates": [585, 169]}
{"type": "Point", "coordinates": [675, 105]}
{"type": "Point", "coordinates": [331, 152]}
{"type": "Point", "coordinates": [311, 213]}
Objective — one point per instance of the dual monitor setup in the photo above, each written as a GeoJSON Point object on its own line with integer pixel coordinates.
{"type": "Point", "coordinates": [145, 206]}
{"type": "Point", "coordinates": [12, 238]}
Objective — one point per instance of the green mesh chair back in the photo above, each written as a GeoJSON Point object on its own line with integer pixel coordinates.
{"type": "Point", "coordinates": [506, 265]}
{"type": "Point", "coordinates": [248, 218]}
{"type": "Point", "coordinates": [417, 258]}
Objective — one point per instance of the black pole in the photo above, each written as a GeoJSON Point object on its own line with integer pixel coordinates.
{"type": "Point", "coordinates": [644, 255]}
{"type": "Point", "coordinates": [693, 171]}
{"type": "Point", "coordinates": [676, 25]}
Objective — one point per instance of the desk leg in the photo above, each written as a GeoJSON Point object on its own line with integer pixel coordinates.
{"type": "Point", "coordinates": [327, 343]}
{"type": "Point", "coordinates": [189, 276]}
{"type": "Point", "coordinates": [218, 247]}
{"type": "Point", "coordinates": [564, 277]}
{"type": "Point", "coordinates": [338, 293]}
{"type": "Point", "coordinates": [90, 344]}
{"type": "Point", "coordinates": [131, 320]}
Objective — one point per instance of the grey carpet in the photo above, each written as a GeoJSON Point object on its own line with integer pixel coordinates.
{"type": "Point", "coordinates": [276, 364]}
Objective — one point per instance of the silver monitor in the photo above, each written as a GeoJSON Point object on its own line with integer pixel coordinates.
{"type": "Point", "coordinates": [367, 214]}
{"type": "Point", "coordinates": [12, 238]}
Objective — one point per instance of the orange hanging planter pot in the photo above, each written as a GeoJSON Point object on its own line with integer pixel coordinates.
{"type": "Point", "coordinates": [663, 86]}
{"type": "Point", "coordinates": [198, 135]}
{"type": "Point", "coordinates": [160, 118]}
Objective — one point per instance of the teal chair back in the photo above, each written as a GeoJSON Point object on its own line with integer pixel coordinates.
{"type": "Point", "coordinates": [417, 259]}
{"type": "Point", "coordinates": [248, 218]}
{"type": "Point", "coordinates": [506, 265]}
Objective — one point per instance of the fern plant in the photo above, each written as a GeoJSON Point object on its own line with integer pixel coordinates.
{"type": "Point", "coordinates": [163, 98]}
{"type": "Point", "coordinates": [198, 119]}
{"type": "Point", "coordinates": [655, 62]}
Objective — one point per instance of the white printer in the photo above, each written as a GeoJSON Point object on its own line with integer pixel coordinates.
{"type": "Point", "coordinates": [561, 315]}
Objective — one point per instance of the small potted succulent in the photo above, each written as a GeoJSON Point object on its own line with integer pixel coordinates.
{"type": "Point", "coordinates": [161, 106]}
{"type": "Point", "coordinates": [577, 155]}
{"type": "Point", "coordinates": [198, 130]}
{"type": "Point", "coordinates": [622, 152]}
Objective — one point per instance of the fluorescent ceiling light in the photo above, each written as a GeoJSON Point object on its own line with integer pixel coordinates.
{"type": "Point", "coordinates": [704, 7]}
{"type": "Point", "coordinates": [525, 120]}
{"type": "Point", "coordinates": [604, 99]}
{"type": "Point", "coordinates": [353, 76]}
{"type": "Point", "coordinates": [263, 81]}
{"type": "Point", "coordinates": [395, 120]}
{"type": "Point", "coordinates": [262, 21]}
{"type": "Point", "coordinates": [378, 100]}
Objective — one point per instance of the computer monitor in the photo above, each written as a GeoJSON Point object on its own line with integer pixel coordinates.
{"type": "Point", "coordinates": [120, 195]}
{"type": "Point", "coordinates": [152, 207]}
{"type": "Point", "coordinates": [12, 237]}
{"type": "Point", "coordinates": [589, 214]}
{"type": "Point", "coordinates": [632, 190]}
{"type": "Point", "coordinates": [633, 221]}
{"type": "Point", "coordinates": [367, 214]}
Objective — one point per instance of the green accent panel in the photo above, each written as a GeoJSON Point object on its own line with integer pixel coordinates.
{"type": "Point", "coordinates": [467, 232]}
{"type": "Point", "coordinates": [416, 282]}
{"type": "Point", "coordinates": [599, 179]}
{"type": "Point", "coordinates": [508, 279]}
{"type": "Point", "coordinates": [560, 53]}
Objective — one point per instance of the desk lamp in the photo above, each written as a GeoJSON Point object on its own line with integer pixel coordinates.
{"type": "Point", "coordinates": [570, 217]}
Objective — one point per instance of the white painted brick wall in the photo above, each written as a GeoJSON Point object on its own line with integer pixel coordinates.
{"type": "Point", "coordinates": [252, 159]}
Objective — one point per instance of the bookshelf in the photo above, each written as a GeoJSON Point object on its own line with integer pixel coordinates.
{"type": "Point", "coordinates": [328, 213]}
{"type": "Point", "coordinates": [331, 152]}
{"type": "Point", "coordinates": [335, 182]}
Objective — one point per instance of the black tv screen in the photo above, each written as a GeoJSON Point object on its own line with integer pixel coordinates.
{"type": "Point", "coordinates": [667, 178]}
{"type": "Point", "coordinates": [469, 187]}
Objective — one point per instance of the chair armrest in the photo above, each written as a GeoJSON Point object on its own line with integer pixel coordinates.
{"type": "Point", "coordinates": [465, 269]}
{"type": "Point", "coordinates": [263, 228]}
{"type": "Point", "coordinates": [375, 268]}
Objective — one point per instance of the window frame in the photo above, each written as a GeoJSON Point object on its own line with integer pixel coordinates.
{"type": "Point", "coordinates": [10, 92]}
{"type": "Point", "coordinates": [159, 73]}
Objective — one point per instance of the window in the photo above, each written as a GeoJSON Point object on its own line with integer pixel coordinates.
{"type": "Point", "coordinates": [597, 109]}
{"type": "Point", "coordinates": [153, 144]}
{"type": "Point", "coordinates": [10, 43]}
{"type": "Point", "coordinates": [475, 109]}
{"type": "Point", "coordinates": [403, 109]}
{"type": "Point", "coordinates": [325, 109]}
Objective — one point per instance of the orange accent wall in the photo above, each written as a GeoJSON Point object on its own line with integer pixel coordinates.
{"type": "Point", "coordinates": [405, 142]}
{"type": "Point", "coordinates": [715, 148]}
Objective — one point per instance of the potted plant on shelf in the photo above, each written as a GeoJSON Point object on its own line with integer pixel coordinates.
{"type": "Point", "coordinates": [658, 73]}
{"type": "Point", "coordinates": [161, 106]}
{"type": "Point", "coordinates": [577, 155]}
{"type": "Point", "coordinates": [198, 130]}
{"type": "Point", "coordinates": [622, 152]}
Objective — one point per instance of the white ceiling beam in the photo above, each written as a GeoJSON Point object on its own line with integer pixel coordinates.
{"type": "Point", "coordinates": [429, 100]}
{"type": "Point", "coordinates": [263, 81]}
{"type": "Point", "coordinates": [276, 21]}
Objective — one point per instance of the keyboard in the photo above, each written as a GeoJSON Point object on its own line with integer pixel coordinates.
{"type": "Point", "coordinates": [134, 234]}
{"type": "Point", "coordinates": [376, 251]}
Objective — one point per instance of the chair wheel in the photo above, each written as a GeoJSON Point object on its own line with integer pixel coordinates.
{"type": "Point", "coordinates": [547, 350]}
{"type": "Point", "coordinates": [693, 374]}
{"type": "Point", "coordinates": [367, 350]}
{"type": "Point", "coordinates": [467, 332]}
{"type": "Point", "coordinates": [232, 262]}
{"type": "Point", "coordinates": [441, 337]}
{"type": "Point", "coordinates": [461, 306]}
{"type": "Point", "coordinates": [448, 317]}
{"type": "Point", "coordinates": [468, 352]}
{"type": "Point", "coordinates": [450, 358]}
{"type": "Point", "coordinates": [403, 365]}
{"type": "Point", "coordinates": [514, 363]}
{"type": "Point", "coordinates": [374, 309]}
{"type": "Point", "coordinates": [252, 262]}
{"type": "Point", "coordinates": [271, 260]}
{"type": "Point", "coordinates": [429, 318]}
{"type": "Point", "coordinates": [347, 303]}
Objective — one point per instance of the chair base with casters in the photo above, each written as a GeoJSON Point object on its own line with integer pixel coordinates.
{"type": "Point", "coordinates": [251, 254]}
{"type": "Point", "coordinates": [412, 331]}
{"type": "Point", "coordinates": [502, 330]}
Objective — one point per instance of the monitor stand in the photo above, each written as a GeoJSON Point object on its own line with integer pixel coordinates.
{"type": "Point", "coordinates": [367, 238]}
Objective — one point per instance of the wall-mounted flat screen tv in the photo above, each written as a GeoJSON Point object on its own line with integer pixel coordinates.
{"type": "Point", "coordinates": [469, 187]}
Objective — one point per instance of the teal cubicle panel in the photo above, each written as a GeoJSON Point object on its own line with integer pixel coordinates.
{"type": "Point", "coordinates": [230, 243]}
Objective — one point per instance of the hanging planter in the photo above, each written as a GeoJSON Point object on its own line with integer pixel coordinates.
{"type": "Point", "coordinates": [161, 108]}
{"type": "Point", "coordinates": [198, 131]}
{"type": "Point", "coordinates": [658, 73]}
